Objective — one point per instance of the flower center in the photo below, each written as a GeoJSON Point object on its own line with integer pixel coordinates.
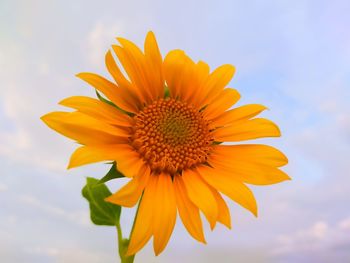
{"type": "Point", "coordinates": [171, 136]}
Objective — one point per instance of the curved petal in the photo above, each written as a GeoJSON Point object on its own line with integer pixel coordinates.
{"type": "Point", "coordinates": [164, 212]}
{"type": "Point", "coordinates": [250, 172]}
{"type": "Point", "coordinates": [115, 72]}
{"type": "Point", "coordinates": [129, 194]}
{"type": "Point", "coordinates": [224, 101]}
{"type": "Point", "coordinates": [257, 153]}
{"type": "Point", "coordinates": [201, 195]}
{"type": "Point", "coordinates": [241, 113]}
{"type": "Point", "coordinates": [154, 65]}
{"type": "Point", "coordinates": [98, 110]}
{"type": "Point", "coordinates": [247, 130]}
{"type": "Point", "coordinates": [142, 230]}
{"type": "Point", "coordinates": [179, 72]}
{"type": "Point", "coordinates": [189, 213]}
{"type": "Point", "coordinates": [84, 129]}
{"type": "Point", "coordinates": [234, 189]}
{"type": "Point", "coordinates": [133, 61]}
{"type": "Point", "coordinates": [216, 82]}
{"type": "Point", "coordinates": [191, 81]}
{"type": "Point", "coordinates": [224, 216]}
{"type": "Point", "coordinates": [126, 88]}
{"type": "Point", "coordinates": [128, 161]}
{"type": "Point", "coordinates": [118, 96]}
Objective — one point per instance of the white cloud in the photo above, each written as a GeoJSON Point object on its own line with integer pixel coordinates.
{"type": "Point", "coordinates": [80, 217]}
{"type": "Point", "coordinates": [322, 241]}
{"type": "Point", "coordinates": [344, 224]}
{"type": "Point", "coordinates": [3, 187]}
{"type": "Point", "coordinates": [99, 41]}
{"type": "Point", "coordinates": [68, 255]}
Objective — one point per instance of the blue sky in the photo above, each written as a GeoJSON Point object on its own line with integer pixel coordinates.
{"type": "Point", "coordinates": [292, 56]}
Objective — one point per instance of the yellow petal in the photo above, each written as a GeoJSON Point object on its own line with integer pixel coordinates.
{"type": "Point", "coordinates": [164, 212]}
{"type": "Point", "coordinates": [234, 189]}
{"type": "Point", "coordinates": [179, 74]}
{"type": "Point", "coordinates": [129, 194]}
{"type": "Point", "coordinates": [98, 110]}
{"type": "Point", "coordinates": [189, 213]}
{"type": "Point", "coordinates": [247, 130]}
{"type": "Point", "coordinates": [241, 113]}
{"type": "Point", "coordinates": [200, 194]}
{"type": "Point", "coordinates": [217, 81]}
{"type": "Point", "coordinates": [142, 230]}
{"type": "Point", "coordinates": [202, 69]}
{"type": "Point", "coordinates": [154, 65]}
{"type": "Point", "coordinates": [134, 64]}
{"type": "Point", "coordinates": [224, 101]}
{"type": "Point", "coordinates": [197, 93]}
{"type": "Point", "coordinates": [257, 153]}
{"type": "Point", "coordinates": [127, 91]}
{"type": "Point", "coordinates": [115, 94]}
{"type": "Point", "coordinates": [224, 213]}
{"type": "Point", "coordinates": [173, 63]}
{"type": "Point", "coordinates": [249, 172]}
{"type": "Point", "coordinates": [114, 70]}
{"type": "Point", "coordinates": [128, 161]}
{"type": "Point", "coordinates": [83, 128]}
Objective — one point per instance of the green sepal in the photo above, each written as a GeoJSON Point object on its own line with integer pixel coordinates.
{"type": "Point", "coordinates": [166, 92]}
{"type": "Point", "coordinates": [113, 173]}
{"type": "Point", "coordinates": [101, 98]}
{"type": "Point", "coordinates": [101, 212]}
{"type": "Point", "coordinates": [104, 100]}
{"type": "Point", "coordinates": [123, 248]}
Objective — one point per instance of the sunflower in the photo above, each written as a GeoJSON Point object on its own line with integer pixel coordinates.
{"type": "Point", "coordinates": [164, 124]}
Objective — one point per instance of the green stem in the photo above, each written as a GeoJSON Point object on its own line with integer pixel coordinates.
{"type": "Point", "coordinates": [123, 243]}
{"type": "Point", "coordinates": [123, 246]}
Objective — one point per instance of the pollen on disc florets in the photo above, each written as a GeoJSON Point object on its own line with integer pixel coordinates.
{"type": "Point", "coordinates": [171, 136]}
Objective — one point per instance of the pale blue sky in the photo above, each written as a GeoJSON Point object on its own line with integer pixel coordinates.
{"type": "Point", "coordinates": [292, 56]}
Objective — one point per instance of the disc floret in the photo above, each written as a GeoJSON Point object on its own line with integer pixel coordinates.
{"type": "Point", "coordinates": [171, 136]}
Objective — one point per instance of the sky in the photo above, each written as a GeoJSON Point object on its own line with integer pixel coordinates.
{"type": "Point", "coordinates": [292, 56]}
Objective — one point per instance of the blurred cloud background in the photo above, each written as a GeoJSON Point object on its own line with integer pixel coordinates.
{"type": "Point", "coordinates": [292, 56]}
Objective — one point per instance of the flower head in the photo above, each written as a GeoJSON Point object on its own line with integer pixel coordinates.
{"type": "Point", "coordinates": [164, 128]}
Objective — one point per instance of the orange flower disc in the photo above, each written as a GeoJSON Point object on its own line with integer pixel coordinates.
{"type": "Point", "coordinates": [171, 136]}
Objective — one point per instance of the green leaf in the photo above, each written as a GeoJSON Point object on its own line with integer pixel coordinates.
{"type": "Point", "coordinates": [101, 212]}
{"type": "Point", "coordinates": [113, 173]}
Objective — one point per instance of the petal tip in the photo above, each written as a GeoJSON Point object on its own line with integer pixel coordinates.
{"type": "Point", "coordinates": [43, 117]}
{"type": "Point", "coordinates": [109, 199]}
{"type": "Point", "coordinates": [157, 250]}
{"type": "Point", "coordinates": [212, 225]}
{"type": "Point", "coordinates": [150, 34]}
{"type": "Point", "coordinates": [64, 102]}
{"type": "Point", "coordinates": [47, 118]}
{"type": "Point", "coordinates": [228, 225]}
